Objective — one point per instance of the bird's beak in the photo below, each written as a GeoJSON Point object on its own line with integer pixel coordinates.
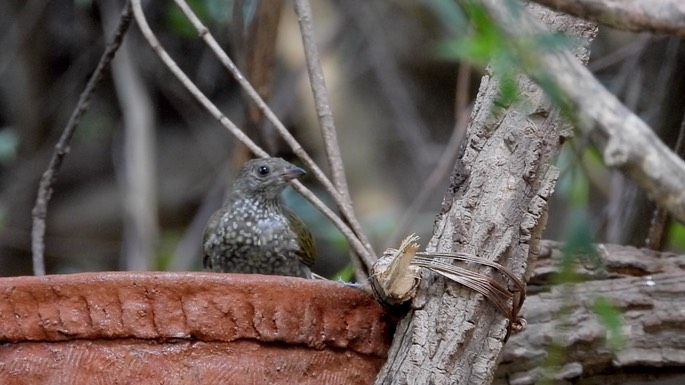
{"type": "Point", "coordinates": [293, 172]}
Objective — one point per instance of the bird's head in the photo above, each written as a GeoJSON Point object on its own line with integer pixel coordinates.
{"type": "Point", "coordinates": [265, 177]}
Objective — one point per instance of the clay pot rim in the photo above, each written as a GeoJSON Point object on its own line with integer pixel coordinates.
{"type": "Point", "coordinates": [199, 306]}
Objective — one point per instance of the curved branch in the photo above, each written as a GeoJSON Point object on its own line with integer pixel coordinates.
{"type": "Point", "coordinates": [218, 115]}
{"type": "Point", "coordinates": [627, 143]}
{"type": "Point", "coordinates": [325, 114]}
{"type": "Point", "coordinates": [40, 210]}
{"type": "Point", "coordinates": [659, 16]}
{"type": "Point", "coordinates": [368, 255]}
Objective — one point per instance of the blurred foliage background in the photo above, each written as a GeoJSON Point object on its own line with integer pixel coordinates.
{"type": "Point", "coordinates": [392, 77]}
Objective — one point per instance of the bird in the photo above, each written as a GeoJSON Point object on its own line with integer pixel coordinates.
{"type": "Point", "coordinates": [253, 233]}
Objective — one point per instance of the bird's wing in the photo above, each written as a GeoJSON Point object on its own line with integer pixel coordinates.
{"type": "Point", "coordinates": [209, 230]}
{"type": "Point", "coordinates": [307, 250]}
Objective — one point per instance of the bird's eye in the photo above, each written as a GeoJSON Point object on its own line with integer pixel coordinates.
{"type": "Point", "coordinates": [263, 170]}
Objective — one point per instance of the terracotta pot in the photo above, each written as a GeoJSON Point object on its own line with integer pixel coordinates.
{"type": "Point", "coordinates": [188, 328]}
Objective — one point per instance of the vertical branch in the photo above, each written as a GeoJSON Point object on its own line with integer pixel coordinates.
{"type": "Point", "coordinates": [62, 147]}
{"type": "Point", "coordinates": [139, 163]}
{"type": "Point", "coordinates": [407, 122]}
{"type": "Point", "coordinates": [154, 43]}
{"type": "Point", "coordinates": [495, 209]}
{"type": "Point", "coordinates": [366, 252]}
{"type": "Point", "coordinates": [141, 231]}
{"type": "Point", "coordinates": [321, 100]}
{"type": "Point", "coordinates": [323, 109]}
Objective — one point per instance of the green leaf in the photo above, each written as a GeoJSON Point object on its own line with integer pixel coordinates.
{"type": "Point", "coordinates": [610, 317]}
{"type": "Point", "coordinates": [573, 184]}
{"type": "Point", "coordinates": [578, 236]}
{"type": "Point", "coordinates": [485, 41]}
{"type": "Point", "coordinates": [676, 235]}
{"type": "Point", "coordinates": [178, 23]}
{"type": "Point", "coordinates": [509, 90]}
{"type": "Point", "coordinates": [578, 247]}
{"type": "Point", "coordinates": [9, 145]}
{"type": "Point", "coordinates": [346, 274]}
{"type": "Point", "coordinates": [450, 14]}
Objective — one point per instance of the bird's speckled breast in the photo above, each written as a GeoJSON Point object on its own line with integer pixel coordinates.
{"type": "Point", "coordinates": [254, 238]}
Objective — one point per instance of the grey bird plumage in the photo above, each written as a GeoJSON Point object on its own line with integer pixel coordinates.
{"type": "Point", "coordinates": [253, 232]}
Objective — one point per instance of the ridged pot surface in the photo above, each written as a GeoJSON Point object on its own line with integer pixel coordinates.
{"type": "Point", "coordinates": [188, 328]}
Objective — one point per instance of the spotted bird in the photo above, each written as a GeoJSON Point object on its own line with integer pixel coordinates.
{"type": "Point", "coordinates": [253, 232]}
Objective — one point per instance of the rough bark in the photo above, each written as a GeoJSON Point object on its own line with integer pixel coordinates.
{"type": "Point", "coordinates": [645, 287]}
{"type": "Point", "coordinates": [660, 16]}
{"type": "Point", "coordinates": [495, 209]}
{"type": "Point", "coordinates": [615, 262]}
{"type": "Point", "coordinates": [627, 143]}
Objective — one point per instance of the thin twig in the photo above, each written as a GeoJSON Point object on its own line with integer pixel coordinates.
{"type": "Point", "coordinates": [499, 294]}
{"type": "Point", "coordinates": [217, 114]}
{"type": "Point", "coordinates": [328, 131]}
{"type": "Point", "coordinates": [519, 285]}
{"type": "Point", "coordinates": [321, 100]}
{"type": "Point", "coordinates": [62, 147]}
{"type": "Point", "coordinates": [254, 95]}
{"type": "Point", "coordinates": [367, 255]}
{"type": "Point", "coordinates": [136, 171]}
{"type": "Point", "coordinates": [669, 67]}
{"type": "Point", "coordinates": [188, 84]}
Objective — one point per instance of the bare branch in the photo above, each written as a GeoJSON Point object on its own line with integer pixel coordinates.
{"type": "Point", "coordinates": [356, 244]}
{"type": "Point", "coordinates": [188, 84]}
{"type": "Point", "coordinates": [252, 93]}
{"type": "Point", "coordinates": [660, 16]}
{"type": "Point", "coordinates": [328, 132]}
{"type": "Point", "coordinates": [217, 114]}
{"type": "Point", "coordinates": [255, 33]}
{"type": "Point", "coordinates": [367, 255]}
{"type": "Point", "coordinates": [626, 141]}
{"type": "Point", "coordinates": [138, 170]}
{"type": "Point", "coordinates": [62, 147]}
{"type": "Point", "coordinates": [321, 99]}
{"type": "Point", "coordinates": [495, 208]}
{"type": "Point", "coordinates": [630, 50]}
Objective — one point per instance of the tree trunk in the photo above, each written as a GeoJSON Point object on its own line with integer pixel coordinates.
{"type": "Point", "coordinates": [643, 285]}
{"type": "Point", "coordinates": [496, 209]}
